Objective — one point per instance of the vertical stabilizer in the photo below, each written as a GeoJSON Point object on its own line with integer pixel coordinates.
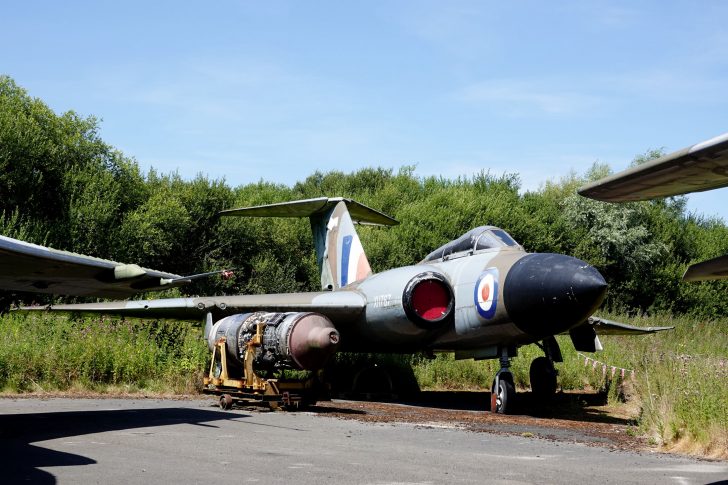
{"type": "Point", "coordinates": [339, 252]}
{"type": "Point", "coordinates": [344, 260]}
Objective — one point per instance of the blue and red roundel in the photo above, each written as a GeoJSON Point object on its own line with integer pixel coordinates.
{"type": "Point", "coordinates": [486, 293]}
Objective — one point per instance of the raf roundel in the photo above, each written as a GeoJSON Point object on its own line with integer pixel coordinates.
{"type": "Point", "coordinates": [486, 293]}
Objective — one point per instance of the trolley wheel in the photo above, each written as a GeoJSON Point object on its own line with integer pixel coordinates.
{"type": "Point", "coordinates": [226, 402]}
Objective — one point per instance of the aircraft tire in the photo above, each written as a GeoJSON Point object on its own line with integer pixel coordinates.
{"type": "Point", "coordinates": [505, 396]}
{"type": "Point", "coordinates": [543, 379]}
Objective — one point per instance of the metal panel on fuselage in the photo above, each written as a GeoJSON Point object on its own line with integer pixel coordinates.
{"type": "Point", "coordinates": [480, 322]}
{"type": "Point", "coordinates": [386, 327]}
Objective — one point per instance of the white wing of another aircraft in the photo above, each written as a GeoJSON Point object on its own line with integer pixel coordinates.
{"type": "Point", "coordinates": [700, 167]}
{"type": "Point", "coordinates": [29, 267]}
{"type": "Point", "coordinates": [703, 166]}
{"type": "Point", "coordinates": [712, 269]}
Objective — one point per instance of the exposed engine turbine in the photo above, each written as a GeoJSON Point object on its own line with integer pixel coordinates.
{"type": "Point", "coordinates": [287, 340]}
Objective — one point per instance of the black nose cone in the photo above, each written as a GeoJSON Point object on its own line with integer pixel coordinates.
{"type": "Point", "coordinates": [546, 294]}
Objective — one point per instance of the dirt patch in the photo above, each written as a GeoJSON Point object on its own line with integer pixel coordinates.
{"type": "Point", "coordinates": [581, 418]}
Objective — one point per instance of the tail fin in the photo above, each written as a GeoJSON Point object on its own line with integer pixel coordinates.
{"type": "Point", "coordinates": [339, 252]}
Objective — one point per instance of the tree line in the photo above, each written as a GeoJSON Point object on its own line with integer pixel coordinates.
{"type": "Point", "coordinates": [62, 186]}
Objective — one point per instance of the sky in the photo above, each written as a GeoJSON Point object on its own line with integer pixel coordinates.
{"type": "Point", "coordinates": [276, 90]}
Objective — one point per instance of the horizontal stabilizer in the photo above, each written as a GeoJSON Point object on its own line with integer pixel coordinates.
{"type": "Point", "coordinates": [712, 269]}
{"type": "Point", "coordinates": [703, 166]}
{"type": "Point", "coordinates": [312, 207]}
{"type": "Point", "coordinates": [602, 326]}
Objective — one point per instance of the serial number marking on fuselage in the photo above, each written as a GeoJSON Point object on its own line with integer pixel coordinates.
{"type": "Point", "coordinates": [383, 301]}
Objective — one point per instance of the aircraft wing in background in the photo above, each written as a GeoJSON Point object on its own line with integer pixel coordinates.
{"type": "Point", "coordinates": [712, 269]}
{"type": "Point", "coordinates": [585, 337]}
{"type": "Point", "coordinates": [602, 326]}
{"type": "Point", "coordinates": [700, 167]}
{"type": "Point", "coordinates": [38, 269]}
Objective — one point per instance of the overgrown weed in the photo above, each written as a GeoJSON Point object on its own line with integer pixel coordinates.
{"type": "Point", "coordinates": [44, 353]}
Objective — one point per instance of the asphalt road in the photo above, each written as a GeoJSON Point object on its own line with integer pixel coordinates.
{"type": "Point", "coordinates": [189, 441]}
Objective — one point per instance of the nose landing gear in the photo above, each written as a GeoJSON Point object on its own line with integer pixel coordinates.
{"type": "Point", "coordinates": [503, 391]}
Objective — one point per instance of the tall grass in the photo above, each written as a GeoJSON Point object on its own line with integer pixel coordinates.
{"type": "Point", "coordinates": [682, 383]}
{"type": "Point", "coordinates": [42, 352]}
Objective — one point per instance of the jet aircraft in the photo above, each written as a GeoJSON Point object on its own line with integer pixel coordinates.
{"type": "Point", "coordinates": [703, 166]}
{"type": "Point", "coordinates": [481, 296]}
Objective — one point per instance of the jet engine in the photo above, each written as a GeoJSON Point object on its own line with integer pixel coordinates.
{"type": "Point", "coordinates": [287, 340]}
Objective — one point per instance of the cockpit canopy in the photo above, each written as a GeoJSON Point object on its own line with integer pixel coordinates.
{"type": "Point", "coordinates": [478, 239]}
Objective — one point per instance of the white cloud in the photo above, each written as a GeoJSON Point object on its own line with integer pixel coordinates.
{"type": "Point", "coordinates": [607, 15]}
{"type": "Point", "coordinates": [596, 93]}
{"type": "Point", "coordinates": [525, 98]}
{"type": "Point", "coordinates": [455, 27]}
{"type": "Point", "coordinates": [442, 21]}
{"type": "Point", "coordinates": [534, 165]}
{"type": "Point", "coordinates": [689, 84]}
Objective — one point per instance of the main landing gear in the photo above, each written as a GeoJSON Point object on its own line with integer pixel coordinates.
{"type": "Point", "coordinates": [542, 373]}
{"type": "Point", "coordinates": [543, 379]}
{"type": "Point", "coordinates": [542, 376]}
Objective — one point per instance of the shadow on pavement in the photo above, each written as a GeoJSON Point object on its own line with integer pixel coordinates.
{"type": "Point", "coordinates": [22, 459]}
{"type": "Point", "coordinates": [583, 407]}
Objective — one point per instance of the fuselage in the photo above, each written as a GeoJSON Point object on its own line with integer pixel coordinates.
{"type": "Point", "coordinates": [501, 295]}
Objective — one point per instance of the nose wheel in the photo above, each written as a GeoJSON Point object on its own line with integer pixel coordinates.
{"type": "Point", "coordinates": [503, 391]}
{"type": "Point", "coordinates": [502, 394]}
